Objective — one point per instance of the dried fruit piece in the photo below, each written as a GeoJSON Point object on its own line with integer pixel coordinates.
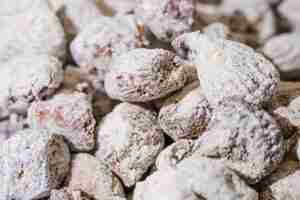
{"type": "Point", "coordinates": [75, 15]}
{"type": "Point", "coordinates": [195, 178]}
{"type": "Point", "coordinates": [92, 177]}
{"type": "Point", "coordinates": [45, 35]}
{"type": "Point", "coordinates": [229, 69]}
{"type": "Point", "coordinates": [32, 164]}
{"type": "Point", "coordinates": [167, 18]}
{"type": "Point", "coordinates": [28, 78]}
{"type": "Point", "coordinates": [284, 53]}
{"type": "Point", "coordinates": [129, 139]}
{"type": "Point", "coordinates": [69, 115]}
{"type": "Point", "coordinates": [185, 115]}
{"type": "Point", "coordinates": [102, 41]}
{"type": "Point", "coordinates": [247, 139]}
{"type": "Point", "coordinates": [143, 75]}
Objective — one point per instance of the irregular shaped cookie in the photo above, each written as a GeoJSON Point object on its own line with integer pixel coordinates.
{"type": "Point", "coordinates": [167, 18]}
{"type": "Point", "coordinates": [143, 75]}
{"type": "Point", "coordinates": [185, 115]}
{"type": "Point", "coordinates": [28, 78]}
{"type": "Point", "coordinates": [45, 35]}
{"type": "Point", "coordinates": [185, 44]}
{"type": "Point", "coordinates": [70, 115]}
{"type": "Point", "coordinates": [129, 139]}
{"type": "Point", "coordinates": [290, 10]}
{"type": "Point", "coordinates": [75, 15]}
{"type": "Point", "coordinates": [66, 194]}
{"type": "Point", "coordinates": [195, 179]}
{"type": "Point", "coordinates": [246, 138]}
{"type": "Point", "coordinates": [229, 69]}
{"type": "Point", "coordinates": [104, 40]}
{"type": "Point", "coordinates": [173, 154]}
{"type": "Point", "coordinates": [32, 164]}
{"type": "Point", "coordinates": [284, 53]}
{"type": "Point", "coordinates": [92, 177]}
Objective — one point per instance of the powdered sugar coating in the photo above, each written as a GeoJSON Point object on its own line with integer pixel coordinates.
{"type": "Point", "coordinates": [66, 194]}
{"type": "Point", "coordinates": [143, 75]}
{"type": "Point", "coordinates": [14, 7]}
{"type": "Point", "coordinates": [75, 15]}
{"type": "Point", "coordinates": [293, 112]}
{"type": "Point", "coordinates": [290, 10]}
{"type": "Point", "coordinates": [185, 116]}
{"type": "Point", "coordinates": [45, 35]}
{"type": "Point", "coordinates": [102, 41]}
{"type": "Point", "coordinates": [69, 115]}
{"type": "Point", "coordinates": [246, 138]}
{"type": "Point", "coordinates": [229, 69]}
{"type": "Point", "coordinates": [28, 78]}
{"type": "Point", "coordinates": [10, 127]}
{"type": "Point", "coordinates": [217, 30]}
{"type": "Point", "coordinates": [167, 18]}
{"type": "Point", "coordinates": [286, 168]}
{"type": "Point", "coordinates": [195, 178]}
{"type": "Point", "coordinates": [32, 164]}
{"type": "Point", "coordinates": [175, 153]}
{"type": "Point", "coordinates": [283, 118]}
{"type": "Point", "coordinates": [92, 177]}
{"type": "Point", "coordinates": [284, 53]}
{"type": "Point", "coordinates": [129, 139]}
{"type": "Point", "coordinates": [287, 187]}
{"type": "Point", "coordinates": [122, 7]}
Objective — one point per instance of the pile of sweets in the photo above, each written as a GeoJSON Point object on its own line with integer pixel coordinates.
{"type": "Point", "coordinates": [149, 100]}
